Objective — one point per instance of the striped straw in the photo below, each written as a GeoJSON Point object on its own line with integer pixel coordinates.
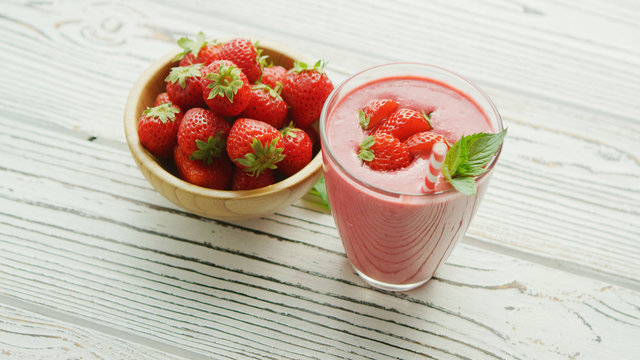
{"type": "Point", "coordinates": [438, 152]}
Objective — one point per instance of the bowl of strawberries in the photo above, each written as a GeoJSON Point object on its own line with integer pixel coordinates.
{"type": "Point", "coordinates": [223, 135]}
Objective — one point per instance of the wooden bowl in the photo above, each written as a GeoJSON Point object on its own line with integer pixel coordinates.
{"type": "Point", "coordinates": [214, 204]}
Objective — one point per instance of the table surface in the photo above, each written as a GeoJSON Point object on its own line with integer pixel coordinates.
{"type": "Point", "coordinates": [94, 263]}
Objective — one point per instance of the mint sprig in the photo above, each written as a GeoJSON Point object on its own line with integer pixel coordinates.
{"type": "Point", "coordinates": [467, 158]}
{"type": "Point", "coordinates": [319, 190]}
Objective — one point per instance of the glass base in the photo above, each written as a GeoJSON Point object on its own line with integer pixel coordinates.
{"type": "Point", "coordinates": [387, 286]}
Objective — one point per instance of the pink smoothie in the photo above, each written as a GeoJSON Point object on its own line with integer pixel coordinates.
{"type": "Point", "coordinates": [392, 233]}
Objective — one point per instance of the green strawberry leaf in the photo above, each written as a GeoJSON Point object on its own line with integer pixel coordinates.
{"type": "Point", "coordinates": [192, 46]}
{"type": "Point", "coordinates": [225, 82]}
{"type": "Point", "coordinates": [428, 118]}
{"type": "Point", "coordinates": [365, 153]}
{"type": "Point", "coordinates": [273, 92]}
{"type": "Point", "coordinates": [261, 157]}
{"type": "Point", "coordinates": [364, 120]}
{"type": "Point", "coordinates": [319, 66]}
{"type": "Point", "coordinates": [164, 112]}
{"type": "Point", "coordinates": [468, 157]}
{"type": "Point", "coordinates": [212, 148]}
{"type": "Point", "coordinates": [290, 130]}
{"type": "Point", "coordinates": [260, 59]}
{"type": "Point", "coordinates": [179, 74]}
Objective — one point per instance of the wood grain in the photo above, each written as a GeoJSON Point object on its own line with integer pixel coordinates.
{"type": "Point", "coordinates": [26, 335]}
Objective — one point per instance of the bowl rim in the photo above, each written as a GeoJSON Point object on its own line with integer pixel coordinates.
{"type": "Point", "coordinates": [149, 162]}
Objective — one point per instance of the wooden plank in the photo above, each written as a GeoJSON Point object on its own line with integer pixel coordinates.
{"type": "Point", "coordinates": [27, 335]}
{"type": "Point", "coordinates": [97, 246]}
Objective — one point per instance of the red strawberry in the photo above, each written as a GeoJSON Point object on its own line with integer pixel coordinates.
{"type": "Point", "coordinates": [375, 111]}
{"type": "Point", "coordinates": [305, 89]}
{"type": "Point", "coordinates": [297, 152]}
{"type": "Point", "coordinates": [422, 142]}
{"type": "Point", "coordinates": [198, 51]}
{"type": "Point", "coordinates": [215, 175]}
{"type": "Point", "coordinates": [225, 88]}
{"type": "Point", "coordinates": [242, 180]}
{"type": "Point", "coordinates": [157, 128]}
{"type": "Point", "coordinates": [254, 145]}
{"type": "Point", "coordinates": [315, 139]}
{"type": "Point", "coordinates": [404, 123]}
{"type": "Point", "coordinates": [266, 105]}
{"type": "Point", "coordinates": [162, 98]}
{"type": "Point", "coordinates": [183, 86]}
{"type": "Point", "coordinates": [383, 152]}
{"type": "Point", "coordinates": [272, 75]}
{"type": "Point", "coordinates": [246, 55]}
{"type": "Point", "coordinates": [202, 134]}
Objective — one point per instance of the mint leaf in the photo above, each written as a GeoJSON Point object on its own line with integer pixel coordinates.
{"type": "Point", "coordinates": [456, 155]}
{"type": "Point", "coordinates": [320, 190]}
{"type": "Point", "coordinates": [482, 146]}
{"type": "Point", "coordinates": [464, 184]}
{"type": "Point", "coordinates": [467, 158]}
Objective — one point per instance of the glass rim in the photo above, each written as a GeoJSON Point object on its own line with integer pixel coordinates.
{"type": "Point", "coordinates": [368, 185]}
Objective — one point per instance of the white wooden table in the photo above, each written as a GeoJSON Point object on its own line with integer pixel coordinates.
{"type": "Point", "coordinates": [95, 264]}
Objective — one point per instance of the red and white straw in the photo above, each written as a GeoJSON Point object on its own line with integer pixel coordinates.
{"type": "Point", "coordinates": [436, 158]}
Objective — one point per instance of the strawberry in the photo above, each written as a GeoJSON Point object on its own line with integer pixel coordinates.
{"type": "Point", "coordinates": [162, 98]}
{"type": "Point", "coordinates": [246, 55]}
{"type": "Point", "coordinates": [383, 152]}
{"type": "Point", "coordinates": [215, 175]}
{"type": "Point", "coordinates": [202, 134]}
{"type": "Point", "coordinates": [266, 105]}
{"type": "Point", "coordinates": [254, 145]}
{"type": "Point", "coordinates": [375, 111]}
{"type": "Point", "coordinates": [225, 88]}
{"type": "Point", "coordinates": [198, 51]}
{"type": "Point", "coordinates": [297, 152]}
{"type": "Point", "coordinates": [272, 75]}
{"type": "Point", "coordinates": [404, 123]}
{"type": "Point", "coordinates": [315, 139]}
{"type": "Point", "coordinates": [183, 86]}
{"type": "Point", "coordinates": [243, 180]}
{"type": "Point", "coordinates": [305, 89]}
{"type": "Point", "coordinates": [157, 128]}
{"type": "Point", "coordinates": [422, 142]}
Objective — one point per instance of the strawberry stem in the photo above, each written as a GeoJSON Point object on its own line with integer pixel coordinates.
{"type": "Point", "coordinates": [261, 158]}
{"type": "Point", "coordinates": [318, 66]}
{"type": "Point", "coordinates": [164, 112]}
{"type": "Point", "coordinates": [179, 74]}
{"type": "Point", "coordinates": [364, 120]}
{"type": "Point", "coordinates": [212, 148]}
{"type": "Point", "coordinates": [427, 118]}
{"type": "Point", "coordinates": [193, 46]}
{"type": "Point", "coordinates": [366, 154]}
{"type": "Point", "coordinates": [225, 82]}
